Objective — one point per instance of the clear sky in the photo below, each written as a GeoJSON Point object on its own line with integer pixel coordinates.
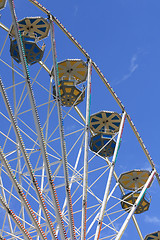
{"type": "Point", "coordinates": [123, 38]}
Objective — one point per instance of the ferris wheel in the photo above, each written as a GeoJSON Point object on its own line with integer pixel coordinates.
{"type": "Point", "coordinates": [58, 158]}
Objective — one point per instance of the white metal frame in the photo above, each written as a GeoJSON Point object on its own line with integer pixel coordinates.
{"type": "Point", "coordinates": [80, 177]}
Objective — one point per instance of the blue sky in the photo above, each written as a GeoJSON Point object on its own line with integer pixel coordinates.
{"type": "Point", "coordinates": [123, 38]}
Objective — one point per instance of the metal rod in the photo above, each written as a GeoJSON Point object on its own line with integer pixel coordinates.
{"type": "Point", "coordinates": [15, 219]}
{"type": "Point", "coordinates": [125, 224]}
{"type": "Point", "coordinates": [73, 175]}
{"type": "Point", "coordinates": [4, 27]}
{"type": "Point", "coordinates": [46, 136]}
{"type": "Point", "coordinates": [85, 171]}
{"type": "Point", "coordinates": [18, 149]}
{"type": "Point", "coordinates": [61, 129]}
{"type": "Point", "coordinates": [137, 227]}
{"type": "Point", "coordinates": [83, 118]}
{"type": "Point", "coordinates": [105, 198]}
{"type": "Point", "coordinates": [45, 67]}
{"type": "Point", "coordinates": [4, 197]}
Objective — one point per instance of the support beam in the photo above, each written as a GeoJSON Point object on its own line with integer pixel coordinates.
{"type": "Point", "coordinates": [105, 198]}
{"type": "Point", "coordinates": [4, 197]}
{"type": "Point", "coordinates": [46, 136]}
{"type": "Point", "coordinates": [15, 219]}
{"type": "Point", "coordinates": [61, 130]}
{"type": "Point", "coordinates": [18, 149]}
{"type": "Point", "coordinates": [85, 171]}
{"type": "Point", "coordinates": [4, 27]}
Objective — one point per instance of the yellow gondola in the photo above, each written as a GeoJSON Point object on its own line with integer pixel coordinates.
{"type": "Point", "coordinates": [72, 69]}
{"type": "Point", "coordinates": [70, 94]}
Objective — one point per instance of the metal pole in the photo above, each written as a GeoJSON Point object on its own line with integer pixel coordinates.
{"type": "Point", "coordinates": [125, 224]}
{"type": "Point", "coordinates": [15, 219]}
{"type": "Point", "coordinates": [43, 167]}
{"type": "Point", "coordinates": [61, 129]}
{"type": "Point", "coordinates": [85, 172]}
{"type": "Point", "coordinates": [4, 197]}
{"type": "Point", "coordinates": [18, 148]}
{"type": "Point", "coordinates": [105, 198]}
